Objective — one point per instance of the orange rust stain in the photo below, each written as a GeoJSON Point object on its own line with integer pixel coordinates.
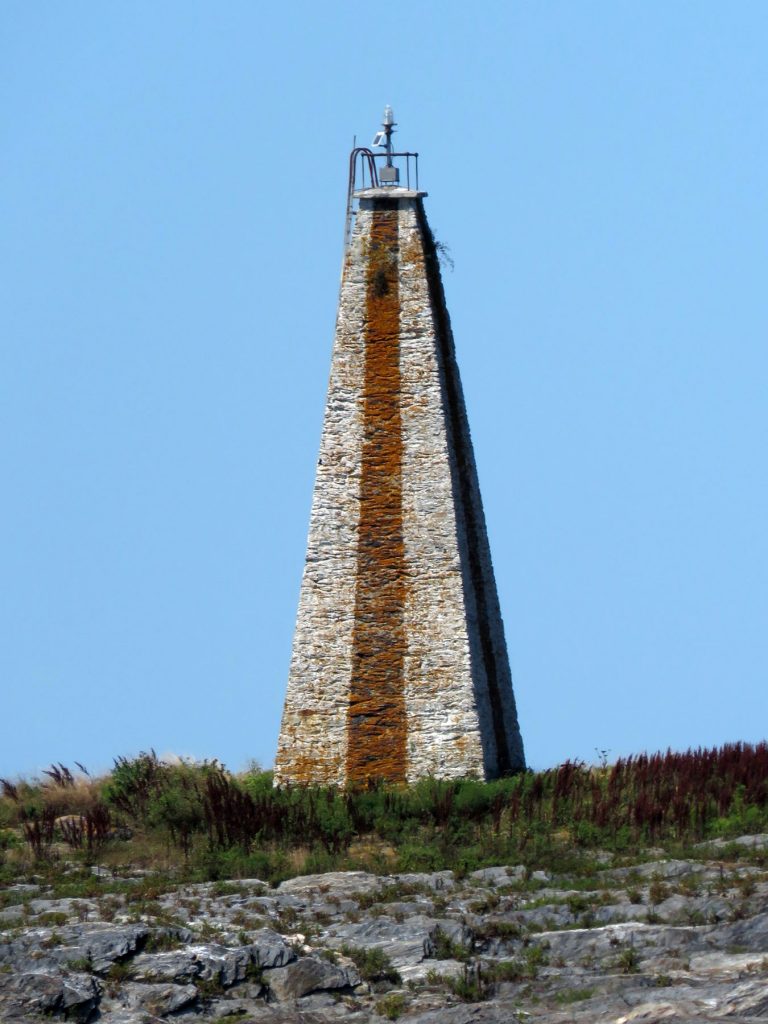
{"type": "Point", "coordinates": [376, 727]}
{"type": "Point", "coordinates": [297, 761]}
{"type": "Point", "coordinates": [305, 767]}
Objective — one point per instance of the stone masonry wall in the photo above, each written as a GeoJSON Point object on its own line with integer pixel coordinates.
{"type": "Point", "coordinates": [313, 737]}
{"type": "Point", "coordinates": [502, 743]}
{"type": "Point", "coordinates": [399, 666]}
{"type": "Point", "coordinates": [443, 724]}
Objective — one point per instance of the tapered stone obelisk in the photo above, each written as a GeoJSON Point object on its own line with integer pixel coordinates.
{"type": "Point", "coordinates": [399, 667]}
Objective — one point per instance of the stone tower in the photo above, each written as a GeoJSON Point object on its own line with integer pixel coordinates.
{"type": "Point", "coordinates": [399, 666]}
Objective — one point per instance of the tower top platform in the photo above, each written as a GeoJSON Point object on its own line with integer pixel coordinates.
{"type": "Point", "coordinates": [388, 192]}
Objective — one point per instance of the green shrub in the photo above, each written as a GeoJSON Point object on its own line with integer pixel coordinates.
{"type": "Point", "coordinates": [506, 970]}
{"type": "Point", "coordinates": [176, 806]}
{"type": "Point", "coordinates": [133, 783]}
{"type": "Point", "coordinates": [372, 963]}
{"type": "Point", "coordinates": [628, 960]}
{"type": "Point", "coordinates": [658, 891]}
{"type": "Point", "coordinates": [446, 948]}
{"type": "Point", "coordinates": [162, 942]}
{"type": "Point", "coordinates": [471, 986]}
{"type": "Point", "coordinates": [391, 1006]}
{"type": "Point", "coordinates": [53, 918]}
{"type": "Point", "coordinates": [574, 995]}
{"type": "Point", "coordinates": [8, 839]}
{"type": "Point", "coordinates": [83, 963]}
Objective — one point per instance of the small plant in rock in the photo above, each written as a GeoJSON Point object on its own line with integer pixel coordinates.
{"type": "Point", "coordinates": [628, 960]}
{"type": "Point", "coordinates": [391, 1006]}
{"type": "Point", "coordinates": [574, 995]}
{"type": "Point", "coordinates": [227, 889]}
{"type": "Point", "coordinates": [493, 928]}
{"type": "Point", "coordinates": [739, 911]}
{"type": "Point", "coordinates": [689, 885]}
{"type": "Point", "coordinates": [288, 916]}
{"type": "Point", "coordinates": [471, 986]}
{"type": "Point", "coordinates": [49, 942]}
{"type": "Point", "coordinates": [207, 932]}
{"type": "Point", "coordinates": [53, 918]}
{"type": "Point", "coordinates": [117, 975]}
{"type": "Point", "coordinates": [254, 974]}
{"type": "Point", "coordinates": [535, 957]}
{"type": "Point", "coordinates": [658, 891]}
{"type": "Point", "coordinates": [506, 970]}
{"type": "Point", "coordinates": [747, 886]}
{"type": "Point", "coordinates": [83, 963]}
{"type": "Point", "coordinates": [162, 942]}
{"type": "Point", "coordinates": [723, 883]}
{"type": "Point", "coordinates": [447, 948]}
{"type": "Point", "coordinates": [208, 988]}
{"type": "Point", "coordinates": [372, 963]}
{"type": "Point", "coordinates": [578, 904]}
{"type": "Point", "coordinates": [486, 904]}
{"type": "Point", "coordinates": [693, 916]}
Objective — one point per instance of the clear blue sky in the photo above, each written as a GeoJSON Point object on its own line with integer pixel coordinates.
{"type": "Point", "coordinates": [172, 202]}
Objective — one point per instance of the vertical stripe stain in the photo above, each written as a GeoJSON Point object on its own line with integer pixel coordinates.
{"type": "Point", "coordinates": [376, 724]}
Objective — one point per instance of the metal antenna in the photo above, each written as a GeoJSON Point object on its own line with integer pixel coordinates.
{"type": "Point", "coordinates": [389, 174]}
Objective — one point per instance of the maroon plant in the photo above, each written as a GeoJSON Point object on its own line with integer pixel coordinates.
{"type": "Point", "coordinates": [38, 827]}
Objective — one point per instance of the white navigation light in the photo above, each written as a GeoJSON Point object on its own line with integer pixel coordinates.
{"type": "Point", "coordinates": [389, 117]}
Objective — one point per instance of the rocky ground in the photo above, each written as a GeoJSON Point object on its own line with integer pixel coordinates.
{"type": "Point", "coordinates": [660, 940]}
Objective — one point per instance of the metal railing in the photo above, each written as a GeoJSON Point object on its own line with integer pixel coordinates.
{"type": "Point", "coordinates": [362, 164]}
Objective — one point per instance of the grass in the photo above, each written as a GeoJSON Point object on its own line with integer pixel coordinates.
{"type": "Point", "coordinates": [372, 963]}
{"type": "Point", "coordinates": [447, 948]}
{"type": "Point", "coordinates": [478, 981]}
{"type": "Point", "coordinates": [197, 822]}
{"type": "Point", "coordinates": [573, 995]}
{"type": "Point", "coordinates": [84, 964]}
{"type": "Point", "coordinates": [470, 986]}
{"type": "Point", "coordinates": [628, 960]}
{"type": "Point", "coordinates": [391, 1006]}
{"type": "Point", "coordinates": [162, 942]}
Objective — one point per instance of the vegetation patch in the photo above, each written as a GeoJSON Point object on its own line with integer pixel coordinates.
{"type": "Point", "coordinates": [372, 963]}
{"type": "Point", "coordinates": [194, 822]}
{"type": "Point", "coordinates": [391, 1006]}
